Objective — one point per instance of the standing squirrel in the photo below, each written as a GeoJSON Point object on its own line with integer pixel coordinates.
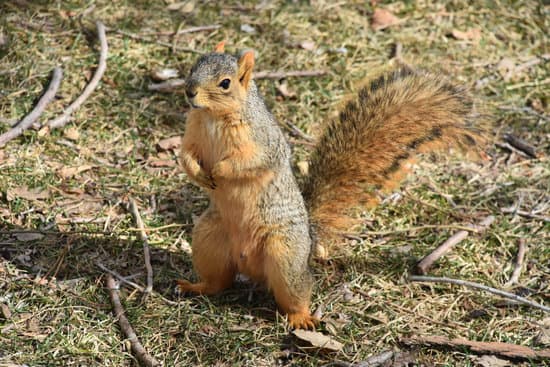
{"type": "Point", "coordinates": [259, 222]}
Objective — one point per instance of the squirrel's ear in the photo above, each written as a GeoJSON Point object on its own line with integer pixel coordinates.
{"type": "Point", "coordinates": [220, 47]}
{"type": "Point", "coordinates": [246, 64]}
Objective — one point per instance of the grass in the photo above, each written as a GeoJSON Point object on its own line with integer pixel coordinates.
{"type": "Point", "coordinates": [59, 313]}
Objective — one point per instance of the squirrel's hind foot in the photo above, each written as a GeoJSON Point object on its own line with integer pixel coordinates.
{"type": "Point", "coordinates": [301, 320]}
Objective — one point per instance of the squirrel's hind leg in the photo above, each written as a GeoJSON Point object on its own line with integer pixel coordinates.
{"type": "Point", "coordinates": [211, 257]}
{"type": "Point", "coordinates": [289, 278]}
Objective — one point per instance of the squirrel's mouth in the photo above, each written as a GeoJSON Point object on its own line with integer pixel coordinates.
{"type": "Point", "coordinates": [194, 105]}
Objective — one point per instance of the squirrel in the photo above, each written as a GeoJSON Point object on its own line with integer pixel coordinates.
{"type": "Point", "coordinates": [260, 223]}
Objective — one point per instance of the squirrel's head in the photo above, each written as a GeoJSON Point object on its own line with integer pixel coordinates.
{"type": "Point", "coordinates": [219, 82]}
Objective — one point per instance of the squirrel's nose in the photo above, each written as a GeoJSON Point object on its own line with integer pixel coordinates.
{"type": "Point", "coordinates": [190, 93]}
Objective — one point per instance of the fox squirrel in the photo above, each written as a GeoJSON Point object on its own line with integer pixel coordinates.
{"type": "Point", "coordinates": [259, 222]}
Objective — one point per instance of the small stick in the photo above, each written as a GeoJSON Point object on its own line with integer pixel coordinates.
{"type": "Point", "coordinates": [201, 28]}
{"type": "Point", "coordinates": [28, 120]}
{"type": "Point", "coordinates": [503, 349]}
{"type": "Point", "coordinates": [165, 44]}
{"type": "Point", "coordinates": [135, 285]}
{"type": "Point", "coordinates": [376, 360]}
{"type": "Point", "coordinates": [465, 283]}
{"type": "Point", "coordinates": [520, 144]}
{"type": "Point", "coordinates": [425, 264]}
{"type": "Point", "coordinates": [167, 86]}
{"type": "Point", "coordinates": [146, 253]}
{"type": "Point", "coordinates": [523, 213]}
{"type": "Point", "coordinates": [522, 249]}
{"type": "Point", "coordinates": [66, 116]}
{"type": "Point", "coordinates": [288, 74]}
{"type": "Point", "coordinates": [137, 348]}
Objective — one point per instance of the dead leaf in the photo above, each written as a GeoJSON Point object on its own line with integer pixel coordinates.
{"type": "Point", "coordinates": [543, 337]}
{"type": "Point", "coordinates": [247, 28]}
{"type": "Point", "coordinates": [491, 361]}
{"type": "Point", "coordinates": [382, 18]}
{"type": "Point", "coordinates": [164, 74]}
{"type": "Point", "coordinates": [308, 45]}
{"type": "Point", "coordinates": [6, 312]}
{"type": "Point", "coordinates": [183, 7]}
{"type": "Point", "coordinates": [303, 167]}
{"type": "Point", "coordinates": [162, 163]}
{"type": "Point", "coordinates": [319, 340]}
{"type": "Point", "coordinates": [24, 192]}
{"type": "Point", "coordinates": [169, 143]}
{"type": "Point", "coordinates": [68, 172]}
{"type": "Point", "coordinates": [28, 236]}
{"type": "Point", "coordinates": [283, 90]}
{"type": "Point", "coordinates": [71, 134]}
{"type": "Point", "coordinates": [473, 34]}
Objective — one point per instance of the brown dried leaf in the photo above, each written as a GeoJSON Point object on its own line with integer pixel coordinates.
{"type": "Point", "coordinates": [283, 90]}
{"type": "Point", "coordinates": [6, 312]}
{"type": "Point", "coordinates": [308, 45]}
{"type": "Point", "coordinates": [382, 18]}
{"type": "Point", "coordinates": [68, 172]}
{"type": "Point", "coordinates": [71, 134]}
{"type": "Point", "coordinates": [319, 340]}
{"type": "Point", "coordinates": [162, 163]}
{"type": "Point", "coordinates": [473, 34]}
{"type": "Point", "coordinates": [491, 361]}
{"type": "Point", "coordinates": [24, 192]}
{"type": "Point", "coordinates": [169, 143]}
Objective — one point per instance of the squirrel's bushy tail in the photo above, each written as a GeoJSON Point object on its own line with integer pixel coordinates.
{"type": "Point", "coordinates": [365, 149]}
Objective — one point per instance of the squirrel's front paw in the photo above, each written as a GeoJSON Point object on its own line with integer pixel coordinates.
{"type": "Point", "coordinates": [204, 180]}
{"type": "Point", "coordinates": [221, 170]}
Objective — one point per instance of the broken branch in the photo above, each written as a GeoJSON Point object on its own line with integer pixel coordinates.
{"type": "Point", "coordinates": [66, 116]}
{"type": "Point", "coordinates": [425, 264]}
{"type": "Point", "coordinates": [146, 253]}
{"type": "Point", "coordinates": [465, 283]}
{"type": "Point", "coordinates": [521, 144]}
{"type": "Point", "coordinates": [28, 120]}
{"type": "Point", "coordinates": [137, 348]}
{"type": "Point", "coordinates": [288, 74]}
{"type": "Point", "coordinates": [522, 249]}
{"type": "Point", "coordinates": [503, 349]}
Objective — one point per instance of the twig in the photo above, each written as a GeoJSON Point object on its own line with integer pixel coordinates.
{"type": "Point", "coordinates": [410, 229]}
{"type": "Point", "coordinates": [522, 249]}
{"type": "Point", "coordinates": [521, 145]}
{"type": "Point", "coordinates": [424, 265]}
{"type": "Point", "coordinates": [465, 283]}
{"type": "Point", "coordinates": [503, 349]}
{"type": "Point", "coordinates": [288, 74]}
{"type": "Point", "coordinates": [167, 86]}
{"type": "Point", "coordinates": [66, 116]}
{"type": "Point", "coordinates": [526, 110]}
{"type": "Point", "coordinates": [28, 120]}
{"type": "Point", "coordinates": [523, 213]}
{"type": "Point", "coordinates": [138, 349]}
{"type": "Point", "coordinates": [146, 253]}
{"type": "Point", "coordinates": [160, 43]}
{"type": "Point", "coordinates": [202, 28]}
{"type": "Point", "coordinates": [295, 130]}
{"type": "Point", "coordinates": [135, 285]}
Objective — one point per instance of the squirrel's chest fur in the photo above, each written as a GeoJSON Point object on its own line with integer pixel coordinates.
{"type": "Point", "coordinates": [236, 200]}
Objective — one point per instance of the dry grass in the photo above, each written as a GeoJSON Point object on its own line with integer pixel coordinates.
{"type": "Point", "coordinates": [61, 315]}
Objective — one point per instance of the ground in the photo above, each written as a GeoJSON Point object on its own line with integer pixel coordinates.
{"type": "Point", "coordinates": [71, 183]}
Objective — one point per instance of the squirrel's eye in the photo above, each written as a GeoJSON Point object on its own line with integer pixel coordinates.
{"type": "Point", "coordinates": [225, 83]}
